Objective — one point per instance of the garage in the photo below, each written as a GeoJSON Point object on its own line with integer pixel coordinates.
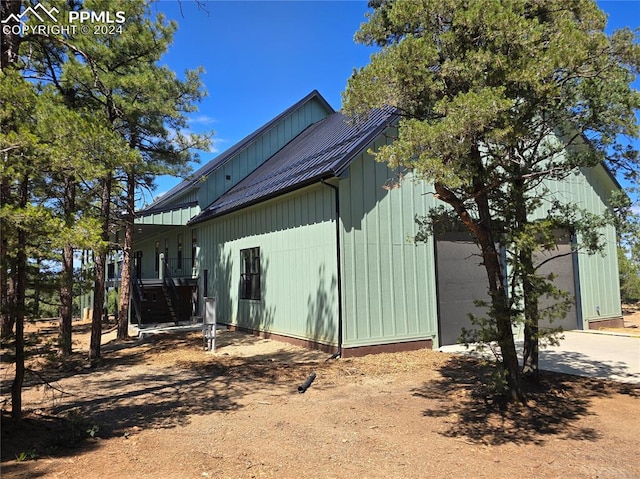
{"type": "Point", "coordinates": [562, 263]}
{"type": "Point", "coordinates": [462, 280]}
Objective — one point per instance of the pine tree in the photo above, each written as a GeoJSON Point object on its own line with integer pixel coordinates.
{"type": "Point", "coordinates": [497, 97]}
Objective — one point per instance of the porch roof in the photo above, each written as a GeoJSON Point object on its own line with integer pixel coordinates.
{"type": "Point", "coordinates": [170, 215]}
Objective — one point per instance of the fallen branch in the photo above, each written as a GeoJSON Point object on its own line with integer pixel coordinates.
{"type": "Point", "coordinates": [46, 382]}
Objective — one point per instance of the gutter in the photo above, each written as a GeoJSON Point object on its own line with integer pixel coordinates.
{"type": "Point", "coordinates": [338, 353]}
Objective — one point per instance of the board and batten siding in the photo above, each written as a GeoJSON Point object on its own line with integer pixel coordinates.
{"type": "Point", "coordinates": [170, 217]}
{"type": "Point", "coordinates": [298, 261]}
{"type": "Point", "coordinates": [260, 150]}
{"type": "Point", "coordinates": [189, 196]}
{"type": "Point", "coordinates": [389, 288]}
{"type": "Point", "coordinates": [599, 288]}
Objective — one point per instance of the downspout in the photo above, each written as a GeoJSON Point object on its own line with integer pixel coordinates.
{"type": "Point", "coordinates": [338, 353]}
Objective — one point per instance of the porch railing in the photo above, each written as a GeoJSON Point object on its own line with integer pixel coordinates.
{"type": "Point", "coordinates": [180, 267]}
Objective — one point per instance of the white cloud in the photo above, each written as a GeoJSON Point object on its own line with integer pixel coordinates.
{"type": "Point", "coordinates": [202, 120]}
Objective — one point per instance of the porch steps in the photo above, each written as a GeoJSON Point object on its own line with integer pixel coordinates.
{"type": "Point", "coordinates": [169, 301]}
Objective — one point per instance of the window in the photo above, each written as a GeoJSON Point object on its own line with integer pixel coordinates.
{"type": "Point", "coordinates": [194, 247]}
{"type": "Point", "coordinates": [137, 261]}
{"type": "Point", "coordinates": [157, 256]}
{"type": "Point", "coordinates": [250, 273]}
{"type": "Point", "coordinates": [179, 260]}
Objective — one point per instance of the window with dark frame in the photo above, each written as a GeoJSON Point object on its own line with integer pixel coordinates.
{"type": "Point", "coordinates": [179, 260]}
{"type": "Point", "coordinates": [157, 265]}
{"type": "Point", "coordinates": [194, 247]}
{"type": "Point", "coordinates": [250, 273]}
{"type": "Point", "coordinates": [137, 262]}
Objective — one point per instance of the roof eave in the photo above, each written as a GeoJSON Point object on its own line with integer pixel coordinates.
{"type": "Point", "coordinates": [345, 163]}
{"type": "Point", "coordinates": [163, 209]}
{"type": "Point", "coordinates": [202, 217]}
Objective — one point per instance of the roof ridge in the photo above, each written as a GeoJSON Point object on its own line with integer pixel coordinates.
{"type": "Point", "coordinates": [229, 153]}
{"type": "Point", "coordinates": [306, 159]}
{"type": "Point", "coordinates": [296, 164]}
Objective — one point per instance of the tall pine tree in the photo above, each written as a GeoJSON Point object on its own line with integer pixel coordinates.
{"type": "Point", "coordinates": [485, 90]}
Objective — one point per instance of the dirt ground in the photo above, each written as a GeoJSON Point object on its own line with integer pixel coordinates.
{"type": "Point", "coordinates": [164, 408]}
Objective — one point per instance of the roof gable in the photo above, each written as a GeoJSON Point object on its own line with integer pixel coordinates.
{"type": "Point", "coordinates": [323, 150]}
{"type": "Point", "coordinates": [198, 179]}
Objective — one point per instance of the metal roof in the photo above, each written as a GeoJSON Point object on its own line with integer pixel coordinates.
{"type": "Point", "coordinates": [194, 178]}
{"type": "Point", "coordinates": [321, 151]}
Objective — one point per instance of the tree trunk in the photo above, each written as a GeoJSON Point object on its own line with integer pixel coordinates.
{"type": "Point", "coordinates": [100, 260]}
{"type": "Point", "coordinates": [37, 286]}
{"type": "Point", "coordinates": [497, 290]}
{"type": "Point", "coordinates": [501, 312]}
{"type": "Point", "coordinates": [530, 367]}
{"type": "Point", "coordinates": [21, 288]}
{"type": "Point", "coordinates": [10, 10]}
{"type": "Point", "coordinates": [66, 286]}
{"type": "Point", "coordinates": [527, 272]}
{"type": "Point", "coordinates": [481, 230]}
{"type": "Point", "coordinates": [66, 302]}
{"type": "Point", "coordinates": [6, 291]}
{"type": "Point", "coordinates": [127, 267]}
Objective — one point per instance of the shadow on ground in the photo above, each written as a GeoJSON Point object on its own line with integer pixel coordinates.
{"type": "Point", "coordinates": [477, 413]}
{"type": "Point", "coordinates": [572, 362]}
{"type": "Point", "coordinates": [175, 379]}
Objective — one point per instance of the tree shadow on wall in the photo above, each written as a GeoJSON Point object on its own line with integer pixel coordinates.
{"type": "Point", "coordinates": [554, 407]}
{"type": "Point", "coordinates": [220, 285]}
{"type": "Point", "coordinates": [253, 314]}
{"type": "Point", "coordinates": [250, 314]}
{"type": "Point", "coordinates": [322, 316]}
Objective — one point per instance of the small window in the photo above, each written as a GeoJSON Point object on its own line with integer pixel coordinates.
{"type": "Point", "coordinates": [179, 261]}
{"type": "Point", "coordinates": [250, 273]}
{"type": "Point", "coordinates": [157, 266]}
{"type": "Point", "coordinates": [137, 264]}
{"type": "Point", "coordinates": [194, 247]}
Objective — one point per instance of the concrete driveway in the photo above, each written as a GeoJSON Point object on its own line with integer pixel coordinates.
{"type": "Point", "coordinates": [587, 353]}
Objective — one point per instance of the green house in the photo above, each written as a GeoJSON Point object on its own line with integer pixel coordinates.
{"type": "Point", "coordinates": [297, 235]}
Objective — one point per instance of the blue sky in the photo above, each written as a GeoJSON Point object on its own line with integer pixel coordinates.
{"type": "Point", "coordinates": [260, 57]}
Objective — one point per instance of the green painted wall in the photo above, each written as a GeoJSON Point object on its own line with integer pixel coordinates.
{"type": "Point", "coordinates": [296, 237]}
{"type": "Point", "coordinates": [178, 216]}
{"type": "Point", "coordinates": [389, 291]}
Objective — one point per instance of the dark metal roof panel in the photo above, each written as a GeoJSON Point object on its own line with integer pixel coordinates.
{"type": "Point", "coordinates": [321, 151]}
{"type": "Point", "coordinates": [221, 159]}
